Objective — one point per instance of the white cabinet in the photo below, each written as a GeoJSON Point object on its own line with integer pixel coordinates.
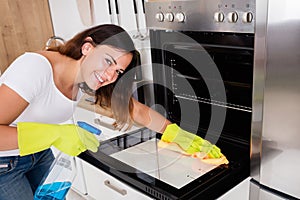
{"type": "Point", "coordinates": [79, 184]}
{"type": "Point", "coordinates": [70, 17]}
{"type": "Point", "coordinates": [82, 14]}
{"type": "Point", "coordinates": [100, 185]}
{"type": "Point", "coordinates": [239, 192]}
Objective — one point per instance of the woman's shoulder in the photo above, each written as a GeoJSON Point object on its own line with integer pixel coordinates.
{"type": "Point", "coordinates": [32, 61]}
{"type": "Point", "coordinates": [37, 58]}
{"type": "Point", "coordinates": [28, 75]}
{"type": "Point", "coordinates": [28, 67]}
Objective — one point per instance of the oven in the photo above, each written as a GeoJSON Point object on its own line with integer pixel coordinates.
{"type": "Point", "coordinates": [202, 63]}
{"type": "Point", "coordinates": [202, 53]}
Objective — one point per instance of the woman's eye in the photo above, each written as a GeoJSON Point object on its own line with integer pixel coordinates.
{"type": "Point", "coordinates": [119, 71]}
{"type": "Point", "coordinates": [109, 62]}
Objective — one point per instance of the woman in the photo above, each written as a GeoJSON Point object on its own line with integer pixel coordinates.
{"type": "Point", "coordinates": [40, 90]}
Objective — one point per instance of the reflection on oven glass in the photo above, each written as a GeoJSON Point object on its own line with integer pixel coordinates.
{"type": "Point", "coordinates": [168, 166]}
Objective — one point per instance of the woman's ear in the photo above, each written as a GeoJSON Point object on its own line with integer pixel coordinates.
{"type": "Point", "coordinates": [86, 47]}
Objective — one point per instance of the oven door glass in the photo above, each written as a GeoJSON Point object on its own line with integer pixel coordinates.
{"type": "Point", "coordinates": [235, 68]}
{"type": "Point", "coordinates": [200, 74]}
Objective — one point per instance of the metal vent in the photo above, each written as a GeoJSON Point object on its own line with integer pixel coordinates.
{"type": "Point", "coordinates": [156, 194]}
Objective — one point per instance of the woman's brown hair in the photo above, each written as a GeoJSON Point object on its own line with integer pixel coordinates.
{"type": "Point", "coordinates": [117, 95]}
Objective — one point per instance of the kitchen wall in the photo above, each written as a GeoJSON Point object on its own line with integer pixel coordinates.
{"type": "Point", "coordinates": [24, 26]}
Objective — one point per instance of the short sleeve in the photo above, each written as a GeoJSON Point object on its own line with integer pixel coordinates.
{"type": "Point", "coordinates": [28, 75]}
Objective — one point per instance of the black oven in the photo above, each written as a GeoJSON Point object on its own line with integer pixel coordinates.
{"type": "Point", "coordinates": [202, 54]}
{"type": "Point", "coordinates": [202, 63]}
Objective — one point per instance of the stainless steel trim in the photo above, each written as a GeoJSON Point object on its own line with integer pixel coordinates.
{"type": "Point", "coordinates": [259, 73]}
{"type": "Point", "coordinates": [281, 127]}
{"type": "Point", "coordinates": [199, 15]}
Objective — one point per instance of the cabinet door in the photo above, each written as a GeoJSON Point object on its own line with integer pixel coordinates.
{"type": "Point", "coordinates": [240, 191]}
{"type": "Point", "coordinates": [79, 184]}
{"type": "Point", "coordinates": [24, 26]}
{"type": "Point", "coordinates": [103, 186]}
{"type": "Point", "coordinates": [66, 17]}
{"type": "Point", "coordinates": [80, 15]}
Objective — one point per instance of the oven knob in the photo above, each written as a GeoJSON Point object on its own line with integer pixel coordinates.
{"type": "Point", "coordinates": [247, 17]}
{"type": "Point", "coordinates": [233, 17]}
{"type": "Point", "coordinates": [159, 16]}
{"type": "Point", "coordinates": [219, 17]}
{"type": "Point", "coordinates": [180, 17]}
{"type": "Point", "coordinates": [169, 17]}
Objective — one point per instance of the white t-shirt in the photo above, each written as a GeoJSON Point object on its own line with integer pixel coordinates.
{"type": "Point", "coordinates": [31, 76]}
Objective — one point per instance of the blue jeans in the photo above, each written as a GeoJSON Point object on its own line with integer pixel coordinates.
{"type": "Point", "coordinates": [21, 175]}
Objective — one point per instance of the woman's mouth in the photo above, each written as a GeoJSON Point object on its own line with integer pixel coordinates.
{"type": "Point", "coordinates": [98, 77]}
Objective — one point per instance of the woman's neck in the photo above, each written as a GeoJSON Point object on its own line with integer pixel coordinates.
{"type": "Point", "coordinates": [65, 71]}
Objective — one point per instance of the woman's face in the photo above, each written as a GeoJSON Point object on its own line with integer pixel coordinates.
{"type": "Point", "coordinates": [101, 65]}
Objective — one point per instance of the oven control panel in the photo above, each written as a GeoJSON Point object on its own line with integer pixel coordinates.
{"type": "Point", "coordinates": [201, 15]}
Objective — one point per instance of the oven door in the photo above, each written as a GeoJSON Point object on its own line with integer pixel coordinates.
{"type": "Point", "coordinates": [203, 82]}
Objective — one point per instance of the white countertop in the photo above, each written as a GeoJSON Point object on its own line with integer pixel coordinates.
{"type": "Point", "coordinates": [89, 117]}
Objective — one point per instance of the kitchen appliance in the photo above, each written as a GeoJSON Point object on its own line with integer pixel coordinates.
{"type": "Point", "coordinates": [202, 63]}
{"type": "Point", "coordinates": [275, 132]}
{"type": "Point", "coordinates": [202, 54]}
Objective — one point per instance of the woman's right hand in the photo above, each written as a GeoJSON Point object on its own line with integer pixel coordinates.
{"type": "Point", "coordinates": [68, 138]}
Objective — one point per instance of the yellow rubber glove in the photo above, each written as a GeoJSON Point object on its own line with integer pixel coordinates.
{"type": "Point", "coordinates": [68, 138]}
{"type": "Point", "coordinates": [189, 142]}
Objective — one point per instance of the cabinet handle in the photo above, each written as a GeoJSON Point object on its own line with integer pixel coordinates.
{"type": "Point", "coordinates": [121, 191]}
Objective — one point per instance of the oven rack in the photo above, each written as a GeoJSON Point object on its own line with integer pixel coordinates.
{"type": "Point", "coordinates": [215, 103]}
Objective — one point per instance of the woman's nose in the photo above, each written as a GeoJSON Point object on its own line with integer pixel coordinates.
{"type": "Point", "coordinates": [110, 73]}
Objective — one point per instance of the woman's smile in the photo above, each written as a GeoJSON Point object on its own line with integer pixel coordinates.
{"type": "Point", "coordinates": [110, 64]}
{"type": "Point", "coordinates": [98, 77]}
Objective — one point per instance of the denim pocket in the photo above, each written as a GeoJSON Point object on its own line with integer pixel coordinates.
{"type": "Point", "coordinates": [7, 164]}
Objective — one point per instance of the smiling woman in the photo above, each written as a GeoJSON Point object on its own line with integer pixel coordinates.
{"type": "Point", "coordinates": [105, 53]}
{"type": "Point", "coordinates": [40, 90]}
{"type": "Point", "coordinates": [50, 81]}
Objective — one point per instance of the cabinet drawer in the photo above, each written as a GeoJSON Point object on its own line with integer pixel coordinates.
{"type": "Point", "coordinates": [100, 185]}
{"type": "Point", "coordinates": [78, 184]}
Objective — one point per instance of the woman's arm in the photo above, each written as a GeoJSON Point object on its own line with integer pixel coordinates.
{"type": "Point", "coordinates": [11, 106]}
{"type": "Point", "coordinates": [148, 117]}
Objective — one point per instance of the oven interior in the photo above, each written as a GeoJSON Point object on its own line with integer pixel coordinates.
{"type": "Point", "coordinates": [232, 55]}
